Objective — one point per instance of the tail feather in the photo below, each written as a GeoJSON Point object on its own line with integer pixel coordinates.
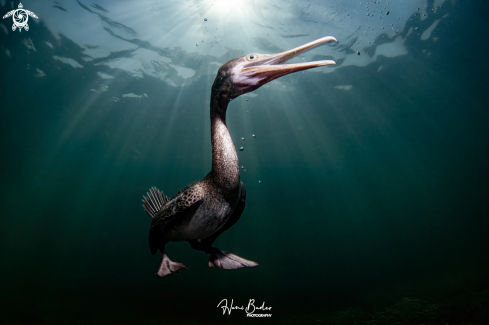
{"type": "Point", "coordinates": [153, 203]}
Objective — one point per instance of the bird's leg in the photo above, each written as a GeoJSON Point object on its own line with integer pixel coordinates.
{"type": "Point", "coordinates": [200, 245]}
{"type": "Point", "coordinates": [224, 260]}
{"type": "Point", "coordinates": [167, 266]}
{"type": "Point", "coordinates": [227, 260]}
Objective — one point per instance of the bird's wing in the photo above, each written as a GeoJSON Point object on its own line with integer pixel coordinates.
{"type": "Point", "coordinates": [238, 210]}
{"type": "Point", "coordinates": [8, 14]}
{"type": "Point", "coordinates": [30, 13]}
{"type": "Point", "coordinates": [184, 203]}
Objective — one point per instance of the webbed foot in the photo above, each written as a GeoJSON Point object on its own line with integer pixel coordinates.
{"type": "Point", "coordinates": [167, 266]}
{"type": "Point", "coordinates": [228, 260]}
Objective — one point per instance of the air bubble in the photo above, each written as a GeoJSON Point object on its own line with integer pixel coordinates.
{"type": "Point", "coordinates": [241, 149]}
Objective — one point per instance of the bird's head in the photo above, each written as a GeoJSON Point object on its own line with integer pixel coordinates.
{"type": "Point", "coordinates": [247, 73]}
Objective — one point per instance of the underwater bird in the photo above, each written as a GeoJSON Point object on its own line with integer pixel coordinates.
{"type": "Point", "coordinates": [203, 210]}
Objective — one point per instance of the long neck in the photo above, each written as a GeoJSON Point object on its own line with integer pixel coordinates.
{"type": "Point", "coordinates": [225, 165]}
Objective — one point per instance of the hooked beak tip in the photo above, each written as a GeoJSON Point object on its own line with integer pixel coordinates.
{"type": "Point", "coordinates": [273, 67]}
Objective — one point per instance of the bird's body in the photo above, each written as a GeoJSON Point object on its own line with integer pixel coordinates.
{"type": "Point", "coordinates": [200, 212]}
{"type": "Point", "coordinates": [210, 214]}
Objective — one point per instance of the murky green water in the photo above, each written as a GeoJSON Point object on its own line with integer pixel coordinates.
{"type": "Point", "coordinates": [368, 198]}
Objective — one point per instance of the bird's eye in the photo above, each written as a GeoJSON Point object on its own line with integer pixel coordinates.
{"type": "Point", "coordinates": [251, 57]}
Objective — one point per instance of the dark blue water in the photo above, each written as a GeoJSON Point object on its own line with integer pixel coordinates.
{"type": "Point", "coordinates": [366, 204]}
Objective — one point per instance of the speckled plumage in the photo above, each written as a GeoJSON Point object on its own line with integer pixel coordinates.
{"type": "Point", "coordinates": [200, 212]}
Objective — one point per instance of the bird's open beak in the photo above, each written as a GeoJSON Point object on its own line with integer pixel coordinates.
{"type": "Point", "coordinates": [269, 67]}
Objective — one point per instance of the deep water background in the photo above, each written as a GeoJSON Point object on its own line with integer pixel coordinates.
{"type": "Point", "coordinates": [367, 196]}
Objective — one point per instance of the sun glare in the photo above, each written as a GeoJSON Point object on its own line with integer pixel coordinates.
{"type": "Point", "coordinates": [226, 5]}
